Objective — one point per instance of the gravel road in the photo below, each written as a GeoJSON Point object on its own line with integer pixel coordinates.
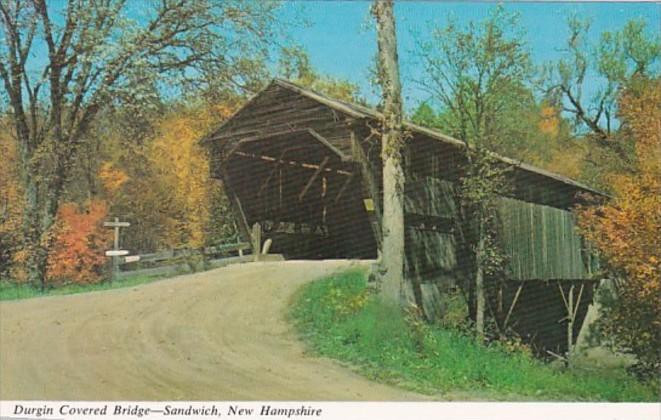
{"type": "Point", "coordinates": [216, 335]}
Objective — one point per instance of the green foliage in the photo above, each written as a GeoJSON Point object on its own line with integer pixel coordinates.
{"type": "Point", "coordinates": [389, 346]}
{"type": "Point", "coordinates": [10, 290]}
{"type": "Point", "coordinates": [479, 226]}
{"type": "Point", "coordinates": [616, 60]}
{"type": "Point", "coordinates": [629, 324]}
{"type": "Point", "coordinates": [479, 78]}
{"type": "Point", "coordinates": [295, 65]}
{"type": "Point", "coordinates": [425, 116]}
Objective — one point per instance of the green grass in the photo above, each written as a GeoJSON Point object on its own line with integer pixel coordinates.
{"type": "Point", "coordinates": [13, 291]}
{"type": "Point", "coordinates": [340, 319]}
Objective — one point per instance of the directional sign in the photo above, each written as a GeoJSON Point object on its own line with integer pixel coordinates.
{"type": "Point", "coordinates": [117, 253]}
{"type": "Point", "coordinates": [132, 258]}
{"type": "Point", "coordinates": [116, 224]}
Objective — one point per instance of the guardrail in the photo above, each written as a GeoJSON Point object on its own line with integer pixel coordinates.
{"type": "Point", "coordinates": [183, 253]}
{"type": "Point", "coordinates": [181, 261]}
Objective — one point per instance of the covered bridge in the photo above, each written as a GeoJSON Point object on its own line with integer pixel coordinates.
{"type": "Point", "coordinates": [307, 168]}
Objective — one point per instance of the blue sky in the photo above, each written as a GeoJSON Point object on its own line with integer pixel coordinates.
{"type": "Point", "coordinates": [341, 42]}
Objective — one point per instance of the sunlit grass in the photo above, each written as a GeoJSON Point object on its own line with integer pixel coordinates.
{"type": "Point", "coordinates": [13, 291]}
{"type": "Point", "coordinates": [340, 319]}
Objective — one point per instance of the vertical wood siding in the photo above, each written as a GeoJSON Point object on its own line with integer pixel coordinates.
{"type": "Point", "coordinates": [542, 242]}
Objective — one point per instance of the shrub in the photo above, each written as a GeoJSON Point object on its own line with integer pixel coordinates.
{"type": "Point", "coordinates": [79, 244]}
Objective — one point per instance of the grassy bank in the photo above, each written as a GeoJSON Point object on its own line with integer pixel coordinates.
{"type": "Point", "coordinates": [13, 291]}
{"type": "Point", "coordinates": [340, 319]}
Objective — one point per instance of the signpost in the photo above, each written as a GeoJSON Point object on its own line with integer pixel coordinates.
{"type": "Point", "coordinates": [132, 258]}
{"type": "Point", "coordinates": [115, 253]}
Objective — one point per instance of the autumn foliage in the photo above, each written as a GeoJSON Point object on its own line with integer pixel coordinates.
{"type": "Point", "coordinates": [181, 164]}
{"type": "Point", "coordinates": [11, 202]}
{"type": "Point", "coordinates": [79, 244]}
{"type": "Point", "coordinates": [627, 231]}
{"type": "Point", "coordinates": [111, 177]}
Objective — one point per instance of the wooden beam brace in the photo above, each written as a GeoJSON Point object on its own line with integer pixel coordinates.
{"type": "Point", "coordinates": [271, 159]}
{"type": "Point", "coordinates": [344, 186]}
{"type": "Point", "coordinates": [314, 176]}
{"type": "Point", "coordinates": [570, 324]}
{"type": "Point", "coordinates": [316, 136]}
{"type": "Point", "coordinates": [328, 145]}
{"type": "Point", "coordinates": [564, 299]}
{"type": "Point", "coordinates": [273, 171]}
{"type": "Point", "coordinates": [514, 301]}
{"type": "Point", "coordinates": [235, 206]}
{"type": "Point", "coordinates": [578, 301]}
{"type": "Point", "coordinates": [261, 137]}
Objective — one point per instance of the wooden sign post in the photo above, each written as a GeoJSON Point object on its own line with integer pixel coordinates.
{"type": "Point", "coordinates": [256, 238]}
{"type": "Point", "coordinates": [116, 252]}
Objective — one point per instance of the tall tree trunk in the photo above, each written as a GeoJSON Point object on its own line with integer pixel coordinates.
{"type": "Point", "coordinates": [35, 263]}
{"type": "Point", "coordinates": [392, 264]}
{"type": "Point", "coordinates": [42, 203]}
{"type": "Point", "coordinates": [479, 281]}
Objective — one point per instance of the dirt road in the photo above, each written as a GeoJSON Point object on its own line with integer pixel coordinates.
{"type": "Point", "coordinates": [217, 335]}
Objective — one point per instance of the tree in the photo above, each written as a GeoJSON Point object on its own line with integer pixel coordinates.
{"type": "Point", "coordinates": [295, 65]}
{"type": "Point", "coordinates": [151, 172]}
{"type": "Point", "coordinates": [479, 75]}
{"type": "Point", "coordinates": [392, 143]}
{"type": "Point", "coordinates": [11, 206]}
{"type": "Point", "coordinates": [181, 165]}
{"type": "Point", "coordinates": [98, 57]}
{"type": "Point", "coordinates": [626, 230]}
{"type": "Point", "coordinates": [618, 58]}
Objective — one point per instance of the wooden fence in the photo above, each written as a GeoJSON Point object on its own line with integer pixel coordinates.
{"type": "Point", "coordinates": [181, 261]}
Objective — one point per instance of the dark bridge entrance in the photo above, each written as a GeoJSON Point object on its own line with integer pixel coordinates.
{"type": "Point", "coordinates": [304, 192]}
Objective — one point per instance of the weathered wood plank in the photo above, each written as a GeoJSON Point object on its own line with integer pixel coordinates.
{"type": "Point", "coordinates": [542, 242]}
{"type": "Point", "coordinates": [313, 178]}
{"type": "Point", "coordinates": [370, 184]}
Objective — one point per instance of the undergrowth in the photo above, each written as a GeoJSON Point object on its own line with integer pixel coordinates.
{"type": "Point", "coordinates": [340, 318]}
{"type": "Point", "coordinates": [14, 291]}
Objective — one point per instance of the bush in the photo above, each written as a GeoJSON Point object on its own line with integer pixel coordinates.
{"type": "Point", "coordinates": [631, 325]}
{"type": "Point", "coordinates": [78, 253]}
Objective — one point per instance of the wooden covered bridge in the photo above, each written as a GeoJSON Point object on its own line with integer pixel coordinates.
{"type": "Point", "coordinates": [307, 168]}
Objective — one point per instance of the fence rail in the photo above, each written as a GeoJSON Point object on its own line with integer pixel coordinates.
{"type": "Point", "coordinates": [166, 255]}
{"type": "Point", "coordinates": [181, 261]}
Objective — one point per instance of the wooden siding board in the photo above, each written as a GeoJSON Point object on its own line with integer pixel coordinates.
{"type": "Point", "coordinates": [431, 252]}
{"type": "Point", "coordinates": [541, 242]}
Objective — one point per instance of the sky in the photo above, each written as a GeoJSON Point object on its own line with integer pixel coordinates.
{"type": "Point", "coordinates": [341, 42]}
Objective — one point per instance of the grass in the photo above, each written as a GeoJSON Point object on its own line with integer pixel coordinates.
{"type": "Point", "coordinates": [339, 318]}
{"type": "Point", "coordinates": [13, 291]}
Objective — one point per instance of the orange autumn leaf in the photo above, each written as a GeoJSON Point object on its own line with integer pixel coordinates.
{"type": "Point", "coordinates": [549, 122]}
{"type": "Point", "coordinates": [79, 245]}
{"type": "Point", "coordinates": [112, 178]}
{"type": "Point", "coordinates": [626, 230]}
{"type": "Point", "coordinates": [11, 207]}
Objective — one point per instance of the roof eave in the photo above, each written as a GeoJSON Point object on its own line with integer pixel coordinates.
{"type": "Point", "coordinates": [360, 112]}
